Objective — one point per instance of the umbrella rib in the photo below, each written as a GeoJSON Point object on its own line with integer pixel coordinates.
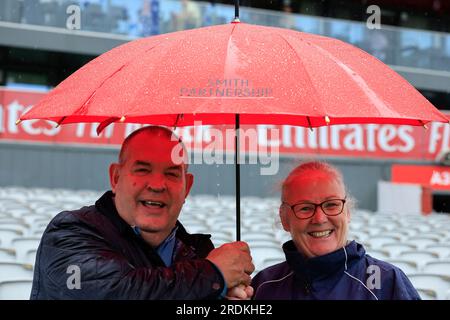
{"type": "Point", "coordinates": [227, 51]}
{"type": "Point", "coordinates": [87, 101]}
{"type": "Point", "coordinates": [307, 74]}
{"type": "Point", "coordinates": [371, 95]}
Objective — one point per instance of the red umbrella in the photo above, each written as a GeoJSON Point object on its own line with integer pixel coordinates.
{"type": "Point", "coordinates": [235, 73]}
{"type": "Point", "coordinates": [266, 75]}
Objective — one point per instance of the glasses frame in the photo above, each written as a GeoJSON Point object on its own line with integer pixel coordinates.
{"type": "Point", "coordinates": [315, 208]}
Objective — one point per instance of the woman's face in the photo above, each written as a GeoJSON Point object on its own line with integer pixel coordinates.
{"type": "Point", "coordinates": [319, 234]}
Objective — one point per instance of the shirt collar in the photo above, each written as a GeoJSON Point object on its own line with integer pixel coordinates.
{"type": "Point", "coordinates": [166, 248]}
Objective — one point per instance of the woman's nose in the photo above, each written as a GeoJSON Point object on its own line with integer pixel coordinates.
{"type": "Point", "coordinates": [319, 216]}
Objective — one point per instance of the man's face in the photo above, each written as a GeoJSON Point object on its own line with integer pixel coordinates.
{"type": "Point", "coordinates": [149, 187]}
{"type": "Point", "coordinates": [320, 234]}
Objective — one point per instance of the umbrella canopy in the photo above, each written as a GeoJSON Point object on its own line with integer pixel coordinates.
{"type": "Point", "coordinates": [236, 73]}
{"type": "Point", "coordinates": [266, 75]}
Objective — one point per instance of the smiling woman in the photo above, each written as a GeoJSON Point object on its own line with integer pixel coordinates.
{"type": "Point", "coordinates": [320, 261]}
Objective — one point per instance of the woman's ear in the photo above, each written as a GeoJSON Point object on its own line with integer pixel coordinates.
{"type": "Point", "coordinates": [284, 218]}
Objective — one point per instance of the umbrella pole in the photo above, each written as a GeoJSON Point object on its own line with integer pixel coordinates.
{"type": "Point", "coordinates": [238, 179]}
{"type": "Point", "coordinates": [236, 10]}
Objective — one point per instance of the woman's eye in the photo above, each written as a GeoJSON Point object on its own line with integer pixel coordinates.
{"type": "Point", "coordinates": [331, 205]}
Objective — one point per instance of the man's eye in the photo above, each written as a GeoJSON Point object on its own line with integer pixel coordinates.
{"type": "Point", "coordinates": [141, 170]}
{"type": "Point", "coordinates": [305, 209]}
{"type": "Point", "coordinates": [173, 174]}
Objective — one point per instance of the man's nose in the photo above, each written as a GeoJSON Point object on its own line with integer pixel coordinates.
{"type": "Point", "coordinates": [156, 183]}
{"type": "Point", "coordinates": [319, 216]}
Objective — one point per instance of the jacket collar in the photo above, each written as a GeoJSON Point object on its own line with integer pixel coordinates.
{"type": "Point", "coordinates": [107, 207]}
{"type": "Point", "coordinates": [318, 268]}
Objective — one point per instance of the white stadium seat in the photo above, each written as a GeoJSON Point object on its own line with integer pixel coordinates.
{"type": "Point", "coordinates": [419, 245]}
{"type": "Point", "coordinates": [438, 267]}
{"type": "Point", "coordinates": [439, 284]}
{"type": "Point", "coordinates": [6, 235]}
{"type": "Point", "coordinates": [427, 294]}
{"type": "Point", "coordinates": [395, 249]}
{"type": "Point", "coordinates": [378, 254]}
{"type": "Point", "coordinates": [419, 257]}
{"type": "Point", "coordinates": [15, 289]}
{"type": "Point", "coordinates": [14, 271]}
{"type": "Point", "coordinates": [7, 255]}
{"type": "Point", "coordinates": [442, 249]}
{"type": "Point", "coordinates": [407, 267]}
{"type": "Point", "coordinates": [23, 245]}
{"type": "Point", "coordinates": [377, 242]}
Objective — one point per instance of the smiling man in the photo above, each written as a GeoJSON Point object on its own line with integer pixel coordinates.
{"type": "Point", "coordinates": [320, 262]}
{"type": "Point", "coordinates": [130, 244]}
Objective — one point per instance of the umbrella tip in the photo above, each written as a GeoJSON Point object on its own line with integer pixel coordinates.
{"type": "Point", "coordinates": [327, 120]}
{"type": "Point", "coordinates": [18, 121]}
{"type": "Point", "coordinates": [236, 20]}
{"type": "Point", "coordinates": [122, 119]}
{"type": "Point", "coordinates": [423, 124]}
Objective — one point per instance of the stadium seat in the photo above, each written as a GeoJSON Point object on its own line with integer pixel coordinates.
{"type": "Point", "coordinates": [30, 256]}
{"type": "Point", "coordinates": [419, 257]}
{"type": "Point", "coordinates": [15, 289]}
{"type": "Point", "coordinates": [261, 243]}
{"type": "Point", "coordinates": [378, 241]}
{"type": "Point", "coordinates": [23, 245]}
{"type": "Point", "coordinates": [6, 235]}
{"type": "Point", "coordinates": [443, 249]}
{"type": "Point", "coordinates": [410, 242]}
{"type": "Point", "coordinates": [258, 235]}
{"type": "Point", "coordinates": [359, 236]}
{"type": "Point", "coordinates": [407, 267]}
{"type": "Point", "coordinates": [378, 254]}
{"type": "Point", "coordinates": [441, 267]}
{"type": "Point", "coordinates": [220, 240]}
{"type": "Point", "coordinates": [260, 253]}
{"type": "Point", "coordinates": [19, 226]}
{"type": "Point", "coordinates": [14, 271]}
{"type": "Point", "coordinates": [270, 262]}
{"type": "Point", "coordinates": [435, 235]}
{"type": "Point", "coordinates": [8, 219]}
{"type": "Point", "coordinates": [7, 255]}
{"type": "Point", "coordinates": [427, 294]}
{"type": "Point", "coordinates": [439, 284]}
{"type": "Point", "coordinates": [421, 242]}
{"type": "Point", "coordinates": [396, 248]}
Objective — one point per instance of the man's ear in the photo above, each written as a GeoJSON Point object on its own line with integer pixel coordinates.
{"type": "Point", "coordinates": [189, 182]}
{"type": "Point", "coordinates": [114, 169]}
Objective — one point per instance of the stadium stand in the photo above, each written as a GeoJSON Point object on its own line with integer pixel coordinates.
{"type": "Point", "coordinates": [408, 241]}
